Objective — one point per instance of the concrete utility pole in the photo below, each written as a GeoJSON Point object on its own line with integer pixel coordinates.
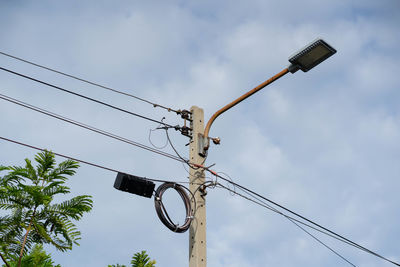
{"type": "Point", "coordinates": [197, 235]}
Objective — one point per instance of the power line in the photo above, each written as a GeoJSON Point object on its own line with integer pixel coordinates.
{"type": "Point", "coordinates": [322, 243]}
{"type": "Point", "coordinates": [88, 98]}
{"type": "Point", "coordinates": [85, 162]}
{"type": "Point", "coordinates": [267, 206]}
{"type": "Point", "coordinates": [294, 221]}
{"type": "Point", "coordinates": [340, 237]}
{"type": "Point", "coordinates": [89, 82]}
{"type": "Point", "coordinates": [324, 230]}
{"type": "Point", "coordinates": [93, 129]}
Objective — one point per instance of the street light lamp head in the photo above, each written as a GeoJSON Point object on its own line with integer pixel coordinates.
{"type": "Point", "coordinates": [310, 56]}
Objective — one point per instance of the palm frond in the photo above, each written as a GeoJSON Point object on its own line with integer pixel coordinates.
{"type": "Point", "coordinates": [15, 176]}
{"type": "Point", "coordinates": [40, 232]}
{"type": "Point", "coordinates": [16, 200]}
{"type": "Point", "coordinates": [10, 229]}
{"type": "Point", "coordinates": [30, 171]}
{"type": "Point", "coordinates": [46, 161]}
{"type": "Point", "coordinates": [13, 196]}
{"type": "Point", "coordinates": [60, 229]}
{"type": "Point", "coordinates": [55, 188]}
{"type": "Point", "coordinates": [75, 207]}
{"type": "Point", "coordinates": [67, 167]}
{"type": "Point", "coordinates": [141, 259]}
{"type": "Point", "coordinates": [2, 168]}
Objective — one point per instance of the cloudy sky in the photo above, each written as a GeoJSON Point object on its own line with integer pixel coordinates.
{"type": "Point", "coordinates": [323, 143]}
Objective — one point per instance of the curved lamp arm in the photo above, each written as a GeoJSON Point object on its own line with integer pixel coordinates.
{"type": "Point", "coordinates": [306, 59]}
{"type": "Point", "coordinates": [237, 101]}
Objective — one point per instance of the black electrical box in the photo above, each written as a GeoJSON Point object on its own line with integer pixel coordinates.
{"type": "Point", "coordinates": [134, 184]}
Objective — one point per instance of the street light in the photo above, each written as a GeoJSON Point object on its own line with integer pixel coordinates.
{"type": "Point", "coordinates": [306, 59]}
{"type": "Point", "coordinates": [310, 56]}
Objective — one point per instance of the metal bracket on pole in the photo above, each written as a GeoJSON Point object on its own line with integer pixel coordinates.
{"type": "Point", "coordinates": [202, 145]}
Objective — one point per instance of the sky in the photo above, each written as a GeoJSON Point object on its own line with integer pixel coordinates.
{"type": "Point", "coordinates": [323, 143]}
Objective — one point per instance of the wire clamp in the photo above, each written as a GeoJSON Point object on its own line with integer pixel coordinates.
{"type": "Point", "coordinates": [185, 114]}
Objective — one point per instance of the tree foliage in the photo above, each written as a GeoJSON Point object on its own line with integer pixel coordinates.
{"type": "Point", "coordinates": [37, 257]}
{"type": "Point", "coordinates": [28, 193]}
{"type": "Point", "coordinates": [140, 259]}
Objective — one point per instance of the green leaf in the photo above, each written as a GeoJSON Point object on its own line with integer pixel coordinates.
{"type": "Point", "coordinates": [46, 162]}
{"type": "Point", "coordinates": [27, 197]}
{"type": "Point", "coordinates": [75, 207]}
{"type": "Point", "coordinates": [3, 168]}
{"type": "Point", "coordinates": [36, 258]}
{"type": "Point", "coordinates": [142, 260]}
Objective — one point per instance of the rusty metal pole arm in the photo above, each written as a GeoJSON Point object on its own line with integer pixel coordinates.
{"type": "Point", "coordinates": [234, 103]}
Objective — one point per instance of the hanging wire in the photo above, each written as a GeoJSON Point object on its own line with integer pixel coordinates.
{"type": "Point", "coordinates": [326, 230]}
{"type": "Point", "coordinates": [89, 82]}
{"type": "Point", "coordinates": [88, 98]}
{"type": "Point", "coordinates": [234, 188]}
{"type": "Point", "coordinates": [186, 161]}
{"type": "Point", "coordinates": [152, 130]}
{"type": "Point", "coordinates": [316, 225]}
{"type": "Point", "coordinates": [173, 147]}
{"type": "Point", "coordinates": [269, 207]}
{"type": "Point", "coordinates": [292, 220]}
{"type": "Point", "coordinates": [93, 129]}
{"type": "Point", "coordinates": [162, 212]}
{"type": "Point", "coordinates": [87, 162]}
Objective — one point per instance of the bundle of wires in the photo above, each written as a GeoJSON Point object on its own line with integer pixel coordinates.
{"type": "Point", "coordinates": [162, 212]}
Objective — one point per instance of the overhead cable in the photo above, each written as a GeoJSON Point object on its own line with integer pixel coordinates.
{"type": "Point", "coordinates": [88, 98]}
{"type": "Point", "coordinates": [86, 162]}
{"type": "Point", "coordinates": [89, 82]}
{"type": "Point", "coordinates": [294, 221]}
{"type": "Point", "coordinates": [162, 212]}
{"type": "Point", "coordinates": [267, 206]}
{"type": "Point", "coordinates": [93, 129]}
{"type": "Point", "coordinates": [346, 240]}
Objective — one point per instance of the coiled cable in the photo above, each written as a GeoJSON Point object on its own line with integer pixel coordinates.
{"type": "Point", "coordinates": [162, 212]}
